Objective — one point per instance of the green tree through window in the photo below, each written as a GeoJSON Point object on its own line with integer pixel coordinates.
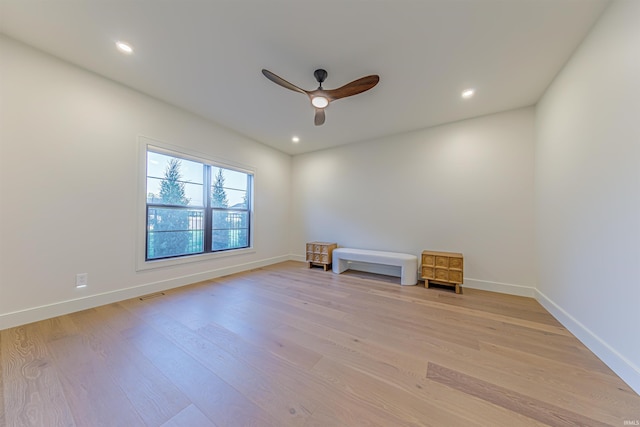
{"type": "Point", "coordinates": [195, 207]}
{"type": "Point", "coordinates": [171, 234]}
{"type": "Point", "coordinates": [219, 196]}
{"type": "Point", "coordinates": [171, 187]}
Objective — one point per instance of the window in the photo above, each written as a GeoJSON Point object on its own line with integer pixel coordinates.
{"type": "Point", "coordinates": [194, 206]}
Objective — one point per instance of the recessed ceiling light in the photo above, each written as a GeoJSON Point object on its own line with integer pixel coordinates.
{"type": "Point", "coordinates": [295, 139]}
{"type": "Point", "coordinates": [468, 93]}
{"type": "Point", "coordinates": [124, 47]}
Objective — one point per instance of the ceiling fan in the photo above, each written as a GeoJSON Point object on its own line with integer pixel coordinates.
{"type": "Point", "coordinates": [320, 98]}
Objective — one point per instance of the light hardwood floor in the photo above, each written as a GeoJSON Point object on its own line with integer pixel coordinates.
{"type": "Point", "coordinates": [292, 346]}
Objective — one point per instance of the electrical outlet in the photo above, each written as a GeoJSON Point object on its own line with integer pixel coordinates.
{"type": "Point", "coordinates": [82, 280]}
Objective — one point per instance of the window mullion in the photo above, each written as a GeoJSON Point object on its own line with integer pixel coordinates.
{"type": "Point", "coordinates": [208, 217]}
{"type": "Point", "coordinates": [249, 198]}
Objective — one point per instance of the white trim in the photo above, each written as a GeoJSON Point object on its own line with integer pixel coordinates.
{"type": "Point", "coordinates": [22, 317]}
{"type": "Point", "coordinates": [194, 155]}
{"type": "Point", "coordinates": [295, 257]}
{"type": "Point", "coordinates": [144, 142]}
{"type": "Point", "coordinates": [141, 220]}
{"type": "Point", "coordinates": [170, 262]}
{"type": "Point", "coordinates": [623, 367]}
{"type": "Point", "coordinates": [484, 285]}
{"type": "Point", "coordinates": [626, 369]}
{"type": "Point", "coordinates": [503, 288]}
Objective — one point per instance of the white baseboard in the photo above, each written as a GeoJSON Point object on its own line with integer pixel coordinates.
{"type": "Point", "coordinates": [503, 288]}
{"type": "Point", "coordinates": [623, 367]}
{"type": "Point", "coordinates": [626, 369]}
{"type": "Point", "coordinates": [22, 317]}
{"type": "Point", "coordinates": [485, 285]}
{"type": "Point", "coordinates": [294, 257]}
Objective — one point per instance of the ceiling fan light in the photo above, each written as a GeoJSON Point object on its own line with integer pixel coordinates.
{"type": "Point", "coordinates": [319, 101]}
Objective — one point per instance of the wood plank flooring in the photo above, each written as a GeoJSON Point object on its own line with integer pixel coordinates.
{"type": "Point", "coordinates": [291, 346]}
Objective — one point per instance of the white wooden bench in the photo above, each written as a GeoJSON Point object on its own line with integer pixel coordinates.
{"type": "Point", "coordinates": [408, 263]}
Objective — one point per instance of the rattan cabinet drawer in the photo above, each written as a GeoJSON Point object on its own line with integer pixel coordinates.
{"type": "Point", "coordinates": [428, 273]}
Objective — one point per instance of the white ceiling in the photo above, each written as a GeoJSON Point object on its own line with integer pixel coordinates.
{"type": "Point", "coordinates": [207, 56]}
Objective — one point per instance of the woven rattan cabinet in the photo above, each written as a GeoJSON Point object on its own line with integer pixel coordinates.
{"type": "Point", "coordinates": [320, 253]}
{"type": "Point", "coordinates": [445, 268]}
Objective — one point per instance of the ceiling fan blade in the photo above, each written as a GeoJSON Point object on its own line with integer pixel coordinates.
{"type": "Point", "coordinates": [319, 119]}
{"type": "Point", "coordinates": [282, 82]}
{"type": "Point", "coordinates": [353, 88]}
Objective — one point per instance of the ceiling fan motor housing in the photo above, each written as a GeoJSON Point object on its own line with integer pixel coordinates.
{"type": "Point", "coordinates": [320, 75]}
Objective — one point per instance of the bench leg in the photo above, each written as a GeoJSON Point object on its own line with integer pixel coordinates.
{"type": "Point", "coordinates": [339, 265]}
{"type": "Point", "coordinates": [408, 276]}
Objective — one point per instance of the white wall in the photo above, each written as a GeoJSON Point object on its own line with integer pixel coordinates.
{"type": "Point", "coordinates": [68, 187]}
{"type": "Point", "coordinates": [69, 169]}
{"type": "Point", "coordinates": [588, 192]}
{"type": "Point", "coordinates": [463, 187]}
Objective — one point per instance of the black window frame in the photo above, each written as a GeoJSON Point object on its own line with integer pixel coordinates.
{"type": "Point", "coordinates": [207, 209]}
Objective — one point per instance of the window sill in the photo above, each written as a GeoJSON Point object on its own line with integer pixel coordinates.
{"type": "Point", "coordinates": [143, 265]}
